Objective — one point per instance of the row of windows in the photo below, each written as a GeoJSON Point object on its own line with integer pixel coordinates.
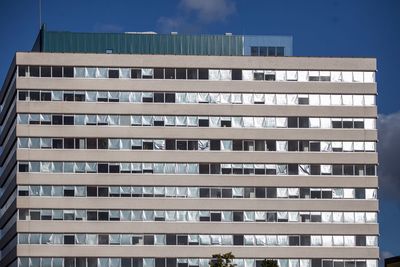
{"type": "Point", "coordinates": [202, 98]}
{"type": "Point", "coordinates": [201, 145]}
{"type": "Point", "coordinates": [184, 262]}
{"type": "Point", "coordinates": [197, 121]}
{"type": "Point", "coordinates": [199, 216]}
{"type": "Point", "coordinates": [267, 51]}
{"type": "Point", "coordinates": [197, 168]}
{"type": "Point", "coordinates": [196, 192]}
{"type": "Point", "coordinates": [197, 74]}
{"type": "Point", "coordinates": [202, 240]}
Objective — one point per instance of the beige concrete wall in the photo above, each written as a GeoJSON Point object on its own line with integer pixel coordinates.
{"type": "Point", "coordinates": [197, 251]}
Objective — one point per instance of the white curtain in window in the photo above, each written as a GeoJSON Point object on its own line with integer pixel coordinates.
{"type": "Point", "coordinates": [248, 216]}
{"type": "Point", "coordinates": [326, 241]}
{"type": "Point", "coordinates": [193, 216]}
{"type": "Point", "coordinates": [283, 215]}
{"type": "Point", "coordinates": [192, 121]}
{"type": "Point", "coordinates": [124, 97]}
{"type": "Point", "coordinates": [180, 97]}
{"type": "Point", "coordinates": [23, 142]}
{"type": "Point", "coordinates": [326, 123]}
{"type": "Point", "coordinates": [348, 217]}
{"type": "Point", "coordinates": [281, 146]}
{"type": "Point", "coordinates": [358, 76]}
{"type": "Point", "coordinates": [326, 217]}
{"type": "Point", "coordinates": [247, 99]}
{"type": "Point", "coordinates": [225, 98]}
{"type": "Point", "coordinates": [260, 215]}
{"type": "Point", "coordinates": [91, 167]}
{"type": "Point", "coordinates": [170, 191]}
{"type": "Point", "coordinates": [369, 124]}
{"type": "Point", "coordinates": [192, 168]}
{"type": "Point", "coordinates": [272, 240]}
{"type": "Point", "coordinates": [79, 72]}
{"type": "Point", "coordinates": [247, 75]}
{"type": "Point", "coordinates": [237, 122]}
{"type": "Point", "coordinates": [281, 99]}
{"type": "Point", "coordinates": [294, 216]}
{"type": "Point", "coordinates": [338, 240]}
{"type": "Point", "coordinates": [369, 77]}
{"type": "Point", "coordinates": [215, 98]}
{"type": "Point", "coordinates": [57, 95]}
{"type": "Point", "coordinates": [291, 75]}
{"type": "Point", "coordinates": [193, 192]}
{"type": "Point", "coordinates": [159, 144]}
{"type": "Point", "coordinates": [226, 145]}
{"type": "Point", "coordinates": [114, 143]}
{"type": "Point", "coordinates": [46, 167]}
{"type": "Point", "coordinates": [214, 75]}
{"type": "Point", "coordinates": [302, 76]}
{"type": "Point", "coordinates": [359, 217]}
{"type": "Point", "coordinates": [181, 121]}
{"type": "Point", "coordinates": [147, 120]}
{"type": "Point", "coordinates": [283, 240]}
{"type": "Point", "coordinates": [304, 169]}
{"type": "Point", "coordinates": [214, 121]}
{"type": "Point", "coordinates": [314, 100]}
{"type": "Point", "coordinates": [270, 99]}
{"type": "Point", "coordinates": [101, 73]}
{"type": "Point", "coordinates": [249, 263]}
{"type": "Point", "coordinates": [325, 100]}
{"type": "Point", "coordinates": [237, 191]}
{"type": "Point", "coordinates": [292, 99]}
{"type": "Point", "coordinates": [147, 72]}
{"type": "Point", "coordinates": [180, 168]}
{"type": "Point", "coordinates": [236, 98]}
{"type": "Point", "coordinates": [280, 75]}
{"type": "Point", "coordinates": [336, 100]}
{"type": "Point", "coordinates": [90, 72]}
{"type": "Point", "coordinates": [326, 146]}
{"type": "Point", "coordinates": [315, 123]}
{"type": "Point", "coordinates": [349, 241]}
{"type": "Point", "coordinates": [370, 193]}
{"type": "Point", "coordinates": [259, 98]}
{"type": "Point", "coordinates": [203, 98]}
{"type": "Point", "coordinates": [337, 193]}
{"type": "Point", "coordinates": [281, 169]}
{"type": "Point", "coordinates": [170, 168]}
{"type": "Point", "coordinates": [135, 97]}
{"type": "Point", "coordinates": [124, 73]}
{"type": "Point", "coordinates": [371, 240]}
{"type": "Point", "coordinates": [205, 240]}
{"type": "Point", "coordinates": [349, 193]}
{"type": "Point", "coordinates": [169, 121]}
{"type": "Point", "coordinates": [326, 169]}
{"type": "Point", "coordinates": [226, 216]}
{"type": "Point", "coordinates": [191, 97]}
{"type": "Point", "coordinates": [337, 217]}
{"type": "Point", "coordinates": [336, 76]}
{"type": "Point", "coordinates": [259, 122]}
{"type": "Point", "coordinates": [159, 190]}
{"type": "Point", "coordinates": [203, 145]}
{"type": "Point", "coordinates": [294, 263]}
{"type": "Point", "coordinates": [281, 122]}
{"type": "Point", "coordinates": [249, 240]}
{"type": "Point", "coordinates": [269, 122]}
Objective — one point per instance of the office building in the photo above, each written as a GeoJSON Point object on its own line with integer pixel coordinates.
{"type": "Point", "coordinates": [150, 150]}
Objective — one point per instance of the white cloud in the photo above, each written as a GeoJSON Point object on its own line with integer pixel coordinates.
{"type": "Point", "coordinates": [209, 10]}
{"type": "Point", "coordinates": [389, 151]}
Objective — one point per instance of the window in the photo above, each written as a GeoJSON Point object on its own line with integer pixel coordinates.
{"type": "Point", "coordinates": [236, 74]}
{"type": "Point", "coordinates": [136, 73]}
{"type": "Point", "coordinates": [69, 239]}
{"type": "Point", "coordinates": [69, 72]}
{"type": "Point", "coordinates": [169, 73]}
{"type": "Point", "coordinates": [203, 74]}
{"type": "Point", "coordinates": [45, 71]}
{"type": "Point", "coordinates": [158, 73]}
{"type": "Point", "coordinates": [181, 74]}
{"type": "Point", "coordinates": [34, 71]}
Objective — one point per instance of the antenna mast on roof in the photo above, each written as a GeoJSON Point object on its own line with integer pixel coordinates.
{"type": "Point", "coordinates": [40, 14]}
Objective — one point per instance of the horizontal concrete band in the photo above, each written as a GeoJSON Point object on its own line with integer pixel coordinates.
{"type": "Point", "coordinates": [195, 133]}
{"type": "Point", "coordinates": [195, 251]}
{"type": "Point", "coordinates": [178, 61]}
{"type": "Point", "coordinates": [196, 180]}
{"type": "Point", "coordinates": [196, 86]}
{"type": "Point", "coordinates": [197, 156]}
{"type": "Point", "coordinates": [196, 228]}
{"type": "Point", "coordinates": [198, 204]}
{"type": "Point", "coordinates": [195, 109]}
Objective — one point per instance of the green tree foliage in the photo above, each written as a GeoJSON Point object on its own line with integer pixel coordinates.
{"type": "Point", "coordinates": [222, 260]}
{"type": "Point", "coordinates": [269, 263]}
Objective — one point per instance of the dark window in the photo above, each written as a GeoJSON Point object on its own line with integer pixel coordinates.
{"type": "Point", "coordinates": [315, 146]}
{"type": "Point", "coordinates": [69, 143]}
{"type": "Point", "coordinates": [337, 169]}
{"type": "Point", "coordinates": [103, 215]}
{"type": "Point", "coordinates": [92, 215]}
{"type": "Point", "coordinates": [326, 194]}
{"type": "Point", "coordinates": [254, 50]}
{"type": "Point", "coordinates": [57, 71]}
{"type": "Point", "coordinates": [215, 145]}
{"type": "Point", "coordinates": [294, 240]}
{"type": "Point", "coordinates": [348, 169]}
{"type": "Point", "coordinates": [272, 51]}
{"type": "Point", "coordinates": [113, 73]}
{"type": "Point", "coordinates": [45, 96]}
{"type": "Point", "coordinates": [102, 143]}
{"type": "Point", "coordinates": [370, 169]}
{"type": "Point", "coordinates": [158, 73]}
{"type": "Point", "coordinates": [238, 216]}
{"type": "Point", "coordinates": [272, 217]}
{"type": "Point", "coordinates": [204, 122]}
{"type": "Point", "coordinates": [327, 263]}
{"type": "Point", "coordinates": [305, 240]}
{"type": "Point", "coordinates": [226, 123]}
{"type": "Point", "coordinates": [181, 74]}
{"type": "Point", "coordinates": [103, 191]}
{"type": "Point", "coordinates": [360, 193]}
{"type": "Point", "coordinates": [182, 240]}
{"type": "Point", "coordinates": [216, 192]}
{"type": "Point", "coordinates": [315, 169]}
{"type": "Point", "coordinates": [68, 96]}
{"type": "Point", "coordinates": [136, 73]}
{"type": "Point", "coordinates": [159, 97]}
{"type": "Point", "coordinates": [270, 77]}
{"type": "Point", "coordinates": [171, 262]}
{"type": "Point", "coordinates": [215, 168]}
{"type": "Point", "coordinates": [316, 194]}
{"type": "Point", "coordinates": [192, 145]}
{"type": "Point", "coordinates": [270, 171]}
{"type": "Point", "coordinates": [170, 239]}
{"type": "Point", "coordinates": [91, 143]}
{"type": "Point", "coordinates": [68, 72]}
{"type": "Point", "coordinates": [359, 169]}
{"type": "Point", "coordinates": [80, 97]}
{"type": "Point", "coordinates": [292, 122]}
{"type": "Point", "coordinates": [303, 101]}
{"type": "Point", "coordinates": [22, 70]}
{"type": "Point", "coordinates": [304, 145]}
{"type": "Point", "coordinates": [226, 193]}
{"type": "Point", "coordinates": [69, 239]}
{"type": "Point", "coordinates": [34, 71]}
{"type": "Point", "coordinates": [160, 262]}
{"type": "Point", "coordinates": [169, 73]}
{"type": "Point", "coordinates": [293, 145]}
{"type": "Point", "coordinates": [103, 240]}
{"type": "Point", "coordinates": [336, 124]}
{"type": "Point", "coordinates": [192, 74]}
{"type": "Point", "coordinates": [45, 71]}
{"type": "Point", "coordinates": [271, 145]}
{"type": "Point", "coordinates": [56, 119]}
{"type": "Point", "coordinates": [204, 192]}
{"type": "Point", "coordinates": [238, 240]}
{"type": "Point", "coordinates": [347, 124]}
{"type": "Point", "coordinates": [237, 145]}
{"type": "Point", "coordinates": [359, 124]}
{"type": "Point", "coordinates": [315, 218]}
{"type": "Point", "coordinates": [23, 95]}
{"type": "Point", "coordinates": [260, 192]}
{"type": "Point", "coordinates": [236, 74]}
{"type": "Point", "coordinates": [68, 120]}
{"type": "Point", "coordinates": [181, 145]}
{"type": "Point", "coordinates": [293, 169]}
{"type": "Point", "coordinates": [203, 74]}
{"type": "Point", "coordinates": [280, 51]}
{"type": "Point", "coordinates": [170, 144]}
{"type": "Point", "coordinates": [361, 240]}
{"type": "Point", "coordinates": [263, 51]}
{"type": "Point", "coordinates": [305, 193]}
{"type": "Point", "coordinates": [34, 96]}
{"type": "Point", "coordinates": [102, 168]}
{"type": "Point", "coordinates": [126, 262]}
{"type": "Point", "coordinates": [69, 192]}
{"type": "Point", "coordinates": [303, 122]}
{"type": "Point", "coordinates": [92, 191]}
{"type": "Point", "coordinates": [259, 145]}
{"type": "Point", "coordinates": [114, 168]}
{"type": "Point", "coordinates": [204, 169]}
{"type": "Point", "coordinates": [169, 97]}
{"type": "Point", "coordinates": [316, 262]}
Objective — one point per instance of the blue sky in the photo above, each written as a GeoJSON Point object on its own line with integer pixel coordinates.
{"type": "Point", "coordinates": [357, 28]}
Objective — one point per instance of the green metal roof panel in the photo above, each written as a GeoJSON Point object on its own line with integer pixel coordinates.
{"type": "Point", "coordinates": [127, 43]}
